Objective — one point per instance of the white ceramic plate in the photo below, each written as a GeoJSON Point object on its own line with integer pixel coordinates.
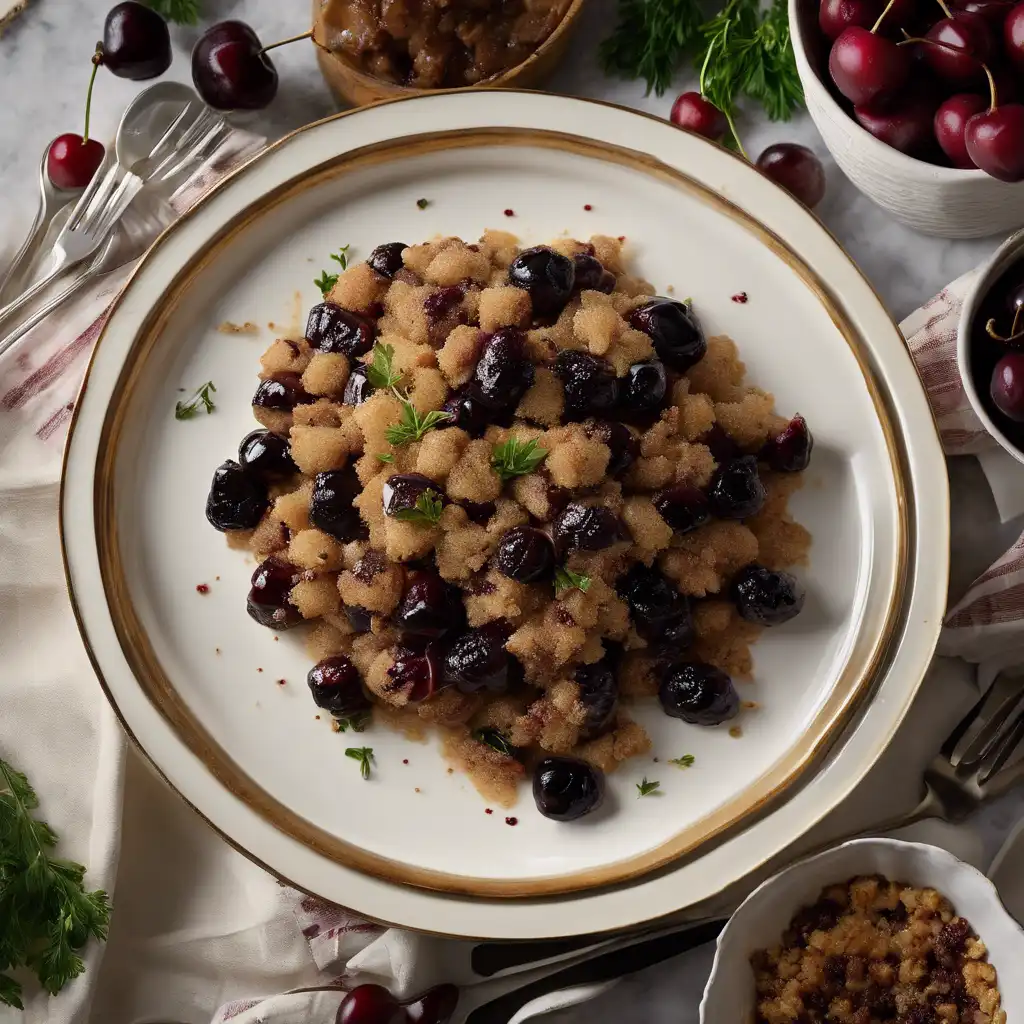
{"type": "Point", "coordinates": [249, 754]}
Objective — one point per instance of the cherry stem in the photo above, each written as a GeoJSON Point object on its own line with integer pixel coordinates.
{"type": "Point", "coordinates": [285, 42]}
{"type": "Point", "coordinates": [1015, 335]}
{"type": "Point", "coordinates": [881, 17]}
{"type": "Point", "coordinates": [96, 61]}
{"type": "Point", "coordinates": [945, 9]}
{"type": "Point", "coordinates": [995, 101]}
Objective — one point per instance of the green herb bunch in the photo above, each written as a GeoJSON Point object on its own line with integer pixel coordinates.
{"type": "Point", "coordinates": [46, 914]}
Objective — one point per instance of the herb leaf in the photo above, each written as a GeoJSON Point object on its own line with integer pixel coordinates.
{"type": "Point", "coordinates": [325, 282]}
{"type": "Point", "coordinates": [412, 426]}
{"type": "Point", "coordinates": [686, 761]}
{"type": "Point", "coordinates": [647, 788]}
{"type": "Point", "coordinates": [201, 399]}
{"type": "Point", "coordinates": [566, 579]}
{"type": "Point", "coordinates": [380, 371]}
{"type": "Point", "coordinates": [426, 512]}
{"type": "Point", "coordinates": [422, 203]}
{"type": "Point", "coordinates": [745, 52]}
{"type": "Point", "coordinates": [357, 722]}
{"type": "Point", "coordinates": [364, 755]}
{"type": "Point", "coordinates": [46, 914]}
{"type": "Point", "coordinates": [495, 739]}
{"type": "Point", "coordinates": [650, 40]}
{"type": "Point", "coordinates": [385, 457]}
{"type": "Point", "coordinates": [517, 458]}
{"type": "Point", "coordinates": [184, 12]}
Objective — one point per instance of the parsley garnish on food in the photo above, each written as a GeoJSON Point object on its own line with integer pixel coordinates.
{"type": "Point", "coordinates": [495, 739]}
{"type": "Point", "coordinates": [517, 458]}
{"type": "Point", "coordinates": [566, 579]}
{"type": "Point", "coordinates": [184, 12]}
{"type": "Point", "coordinates": [647, 788]}
{"type": "Point", "coordinates": [385, 456]}
{"type": "Point", "coordinates": [364, 755]}
{"type": "Point", "coordinates": [357, 722]}
{"type": "Point", "coordinates": [325, 282]}
{"type": "Point", "coordinates": [201, 399]}
{"type": "Point", "coordinates": [745, 52]}
{"type": "Point", "coordinates": [46, 915]}
{"type": "Point", "coordinates": [427, 510]}
{"type": "Point", "coordinates": [686, 761]}
{"type": "Point", "coordinates": [422, 203]}
{"type": "Point", "coordinates": [650, 40]}
{"type": "Point", "coordinates": [379, 371]}
{"type": "Point", "coordinates": [412, 426]}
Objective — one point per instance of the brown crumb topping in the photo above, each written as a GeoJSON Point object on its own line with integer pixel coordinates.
{"type": "Point", "coordinates": [872, 950]}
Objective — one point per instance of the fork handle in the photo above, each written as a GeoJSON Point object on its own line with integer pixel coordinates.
{"type": "Point", "coordinates": [8, 311]}
{"type": "Point", "coordinates": [24, 255]}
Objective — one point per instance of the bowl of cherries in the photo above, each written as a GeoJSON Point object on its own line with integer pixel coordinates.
{"type": "Point", "coordinates": [921, 103]}
{"type": "Point", "coordinates": [990, 346]}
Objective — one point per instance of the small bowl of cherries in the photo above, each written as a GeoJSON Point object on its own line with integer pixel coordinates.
{"type": "Point", "coordinates": [990, 346]}
{"type": "Point", "coordinates": [921, 103]}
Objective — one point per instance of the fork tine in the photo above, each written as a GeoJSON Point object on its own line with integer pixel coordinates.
{"type": "Point", "coordinates": [970, 740]}
{"type": "Point", "coordinates": [1002, 752]}
{"type": "Point", "coordinates": [196, 154]}
{"type": "Point", "coordinates": [94, 199]}
{"type": "Point", "coordinates": [165, 143]}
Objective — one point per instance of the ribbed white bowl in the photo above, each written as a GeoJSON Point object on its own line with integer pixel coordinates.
{"type": "Point", "coordinates": [933, 200]}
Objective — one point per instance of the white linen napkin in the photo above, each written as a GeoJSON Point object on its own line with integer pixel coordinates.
{"type": "Point", "coordinates": [196, 925]}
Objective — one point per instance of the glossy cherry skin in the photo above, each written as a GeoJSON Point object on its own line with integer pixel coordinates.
{"type": "Point", "coordinates": [622, 443]}
{"type": "Point", "coordinates": [71, 163]}
{"type": "Point", "coordinates": [736, 491]}
{"type": "Point", "coordinates": [796, 169]}
{"type": "Point", "coordinates": [766, 598]}
{"type": "Point", "coordinates": [674, 329]}
{"type": "Point", "coordinates": [331, 508]}
{"type": "Point", "coordinates": [835, 16]}
{"type": "Point", "coordinates": [477, 660]}
{"type": "Point", "coordinates": [683, 506]}
{"type": "Point", "coordinates": [591, 275]}
{"type": "Point", "coordinates": [336, 686]}
{"type": "Point", "coordinates": [906, 124]}
{"type": "Point", "coordinates": [428, 609]}
{"type": "Point", "coordinates": [1007, 386]}
{"type": "Point", "coordinates": [790, 450]}
{"type": "Point", "coordinates": [599, 694]}
{"type": "Point", "coordinates": [237, 499]}
{"type": "Point", "coordinates": [525, 555]}
{"type": "Point", "coordinates": [1013, 38]}
{"type": "Point", "coordinates": [370, 1004]}
{"type": "Point", "coordinates": [229, 69]}
{"type": "Point", "coordinates": [966, 42]}
{"type": "Point", "coordinates": [993, 11]}
{"type": "Point", "coordinates": [282, 392]}
{"type": "Point", "coordinates": [547, 276]}
{"type": "Point", "coordinates": [565, 788]}
{"type": "Point", "coordinates": [951, 126]}
{"type": "Point", "coordinates": [266, 455]}
{"type": "Point", "coordinates": [697, 114]}
{"type": "Point", "coordinates": [866, 65]}
{"type": "Point", "coordinates": [699, 694]}
{"type": "Point", "coordinates": [268, 601]}
{"type": "Point", "coordinates": [995, 141]}
{"type": "Point", "coordinates": [136, 42]}
{"type": "Point", "coordinates": [433, 1007]}
{"type": "Point", "coordinates": [386, 259]}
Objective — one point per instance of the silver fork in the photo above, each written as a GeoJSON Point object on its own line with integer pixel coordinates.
{"type": "Point", "coordinates": [112, 189]}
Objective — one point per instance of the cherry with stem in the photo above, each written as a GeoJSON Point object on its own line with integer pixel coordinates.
{"type": "Point", "coordinates": [865, 65]}
{"type": "Point", "coordinates": [995, 137]}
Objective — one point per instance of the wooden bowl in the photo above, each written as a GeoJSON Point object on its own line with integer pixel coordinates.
{"type": "Point", "coordinates": [356, 87]}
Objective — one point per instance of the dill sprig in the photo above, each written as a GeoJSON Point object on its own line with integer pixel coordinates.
{"type": "Point", "coordinates": [200, 400]}
{"type": "Point", "coordinates": [651, 39]}
{"type": "Point", "coordinates": [517, 458]}
{"type": "Point", "coordinates": [46, 915]}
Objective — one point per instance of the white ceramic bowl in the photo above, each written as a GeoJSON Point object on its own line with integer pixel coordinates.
{"type": "Point", "coordinates": [765, 914]}
{"type": "Point", "coordinates": [934, 200]}
{"type": "Point", "coordinates": [1009, 252]}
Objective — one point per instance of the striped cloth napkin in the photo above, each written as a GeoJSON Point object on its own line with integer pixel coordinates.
{"type": "Point", "coordinates": [39, 380]}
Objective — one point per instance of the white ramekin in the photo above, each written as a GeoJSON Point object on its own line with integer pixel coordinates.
{"type": "Point", "coordinates": [762, 918]}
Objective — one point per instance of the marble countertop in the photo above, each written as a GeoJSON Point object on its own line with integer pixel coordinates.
{"type": "Point", "coordinates": [44, 70]}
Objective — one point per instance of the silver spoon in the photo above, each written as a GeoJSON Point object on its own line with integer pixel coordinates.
{"type": "Point", "coordinates": [51, 199]}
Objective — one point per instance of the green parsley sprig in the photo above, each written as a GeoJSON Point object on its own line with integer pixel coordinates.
{"type": "Point", "coordinates": [646, 788]}
{"type": "Point", "coordinates": [517, 458]}
{"type": "Point", "coordinates": [380, 371]}
{"type": "Point", "coordinates": [200, 400]}
{"type": "Point", "coordinates": [356, 722]}
{"type": "Point", "coordinates": [426, 512]}
{"type": "Point", "coordinates": [566, 579]}
{"type": "Point", "coordinates": [325, 282]}
{"type": "Point", "coordinates": [686, 761]}
{"type": "Point", "coordinates": [496, 740]}
{"type": "Point", "coordinates": [46, 915]}
{"type": "Point", "coordinates": [412, 426]}
{"type": "Point", "coordinates": [184, 12]}
{"type": "Point", "coordinates": [364, 755]}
